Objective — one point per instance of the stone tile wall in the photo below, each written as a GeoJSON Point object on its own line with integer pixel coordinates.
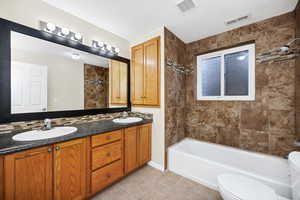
{"type": "Point", "coordinates": [297, 15]}
{"type": "Point", "coordinates": [265, 125]}
{"type": "Point", "coordinates": [96, 95]}
{"type": "Point", "coordinates": [174, 90]}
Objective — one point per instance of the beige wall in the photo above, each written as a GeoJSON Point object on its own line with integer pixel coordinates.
{"type": "Point", "coordinates": [65, 79]}
{"type": "Point", "coordinates": [29, 12]}
{"type": "Point", "coordinates": [158, 132]}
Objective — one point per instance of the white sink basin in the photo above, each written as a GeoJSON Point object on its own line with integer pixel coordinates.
{"type": "Point", "coordinates": [127, 120]}
{"type": "Point", "coordinates": [42, 135]}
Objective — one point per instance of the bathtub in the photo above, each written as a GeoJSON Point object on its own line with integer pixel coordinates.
{"type": "Point", "coordinates": [203, 162]}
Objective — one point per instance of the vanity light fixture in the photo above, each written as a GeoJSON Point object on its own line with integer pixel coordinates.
{"type": "Point", "coordinates": [106, 48]}
{"type": "Point", "coordinates": [65, 32]}
{"type": "Point", "coordinates": [77, 37]}
{"type": "Point", "coordinates": [50, 27]}
{"type": "Point", "coordinates": [60, 31]}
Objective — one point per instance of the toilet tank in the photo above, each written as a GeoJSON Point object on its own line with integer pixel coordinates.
{"type": "Point", "coordinates": [294, 163]}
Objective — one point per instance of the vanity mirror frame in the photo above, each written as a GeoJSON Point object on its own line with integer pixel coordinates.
{"type": "Point", "coordinates": [6, 116]}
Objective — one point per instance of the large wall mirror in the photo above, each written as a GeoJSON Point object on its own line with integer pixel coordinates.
{"type": "Point", "coordinates": [49, 77]}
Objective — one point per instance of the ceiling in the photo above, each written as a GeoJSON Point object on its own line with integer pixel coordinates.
{"type": "Point", "coordinates": [30, 44]}
{"type": "Point", "coordinates": [132, 19]}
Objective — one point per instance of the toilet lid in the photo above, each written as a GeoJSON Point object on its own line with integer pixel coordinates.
{"type": "Point", "coordinates": [246, 188]}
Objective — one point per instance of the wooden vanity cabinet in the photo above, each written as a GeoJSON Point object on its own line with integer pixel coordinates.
{"type": "Point", "coordinates": [146, 73]}
{"type": "Point", "coordinates": [144, 144]}
{"type": "Point", "coordinates": [76, 169]}
{"type": "Point", "coordinates": [70, 170]}
{"type": "Point", "coordinates": [107, 160]}
{"type": "Point", "coordinates": [51, 172]}
{"type": "Point", "coordinates": [137, 147]}
{"type": "Point", "coordinates": [28, 174]}
{"type": "Point", "coordinates": [118, 83]}
{"type": "Point", "coordinates": [1, 179]}
{"type": "Point", "coordinates": [131, 149]}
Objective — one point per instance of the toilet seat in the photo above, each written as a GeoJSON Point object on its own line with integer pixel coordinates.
{"type": "Point", "coordinates": [243, 188]}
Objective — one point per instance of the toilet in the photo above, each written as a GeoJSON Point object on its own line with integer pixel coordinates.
{"type": "Point", "coordinates": [239, 187]}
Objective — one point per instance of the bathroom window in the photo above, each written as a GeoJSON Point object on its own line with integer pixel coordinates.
{"type": "Point", "coordinates": [227, 75]}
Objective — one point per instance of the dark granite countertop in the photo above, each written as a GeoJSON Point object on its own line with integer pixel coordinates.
{"type": "Point", "coordinates": [8, 145]}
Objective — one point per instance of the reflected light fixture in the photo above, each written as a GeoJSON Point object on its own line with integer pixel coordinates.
{"type": "Point", "coordinates": [65, 32]}
{"type": "Point", "coordinates": [77, 36]}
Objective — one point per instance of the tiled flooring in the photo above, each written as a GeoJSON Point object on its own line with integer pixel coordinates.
{"type": "Point", "coordinates": [151, 184]}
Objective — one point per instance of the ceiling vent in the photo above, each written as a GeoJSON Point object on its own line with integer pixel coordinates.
{"type": "Point", "coordinates": [237, 20]}
{"type": "Point", "coordinates": [186, 5]}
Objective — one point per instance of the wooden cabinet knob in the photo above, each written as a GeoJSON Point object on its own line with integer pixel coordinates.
{"type": "Point", "coordinates": [108, 175]}
{"type": "Point", "coordinates": [108, 137]}
{"type": "Point", "coordinates": [108, 154]}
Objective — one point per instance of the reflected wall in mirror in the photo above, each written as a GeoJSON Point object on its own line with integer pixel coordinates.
{"type": "Point", "coordinates": [47, 77]}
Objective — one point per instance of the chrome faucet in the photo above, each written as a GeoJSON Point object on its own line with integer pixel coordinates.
{"type": "Point", "coordinates": [124, 114]}
{"type": "Point", "coordinates": [47, 124]}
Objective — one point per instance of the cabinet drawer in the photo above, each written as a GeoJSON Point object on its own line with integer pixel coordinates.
{"type": "Point", "coordinates": [105, 176]}
{"type": "Point", "coordinates": [106, 154]}
{"type": "Point", "coordinates": [105, 138]}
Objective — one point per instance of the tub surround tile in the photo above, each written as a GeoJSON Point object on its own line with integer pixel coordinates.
{"type": "Point", "coordinates": [174, 90]}
{"type": "Point", "coordinates": [266, 125]}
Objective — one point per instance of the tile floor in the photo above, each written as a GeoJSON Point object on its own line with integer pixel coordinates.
{"type": "Point", "coordinates": [151, 184]}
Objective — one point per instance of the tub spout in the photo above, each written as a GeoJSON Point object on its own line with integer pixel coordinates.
{"type": "Point", "coordinates": [297, 143]}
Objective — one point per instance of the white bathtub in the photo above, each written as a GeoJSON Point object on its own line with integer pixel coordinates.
{"type": "Point", "coordinates": [203, 162]}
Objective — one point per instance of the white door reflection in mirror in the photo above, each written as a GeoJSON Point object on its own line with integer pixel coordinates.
{"type": "Point", "coordinates": [28, 87]}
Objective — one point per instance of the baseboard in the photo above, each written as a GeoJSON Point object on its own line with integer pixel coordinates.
{"type": "Point", "coordinates": [156, 166]}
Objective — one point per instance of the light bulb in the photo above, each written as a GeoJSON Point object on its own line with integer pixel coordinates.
{"type": "Point", "coordinates": [65, 31]}
{"type": "Point", "coordinates": [108, 47]}
{"type": "Point", "coordinates": [78, 36]}
{"type": "Point", "coordinates": [95, 44]}
{"type": "Point", "coordinates": [50, 27]}
{"type": "Point", "coordinates": [117, 50]}
{"type": "Point", "coordinates": [101, 44]}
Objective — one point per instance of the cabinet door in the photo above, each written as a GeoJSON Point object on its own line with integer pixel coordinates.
{"type": "Point", "coordinates": [70, 170]}
{"type": "Point", "coordinates": [144, 144]}
{"type": "Point", "coordinates": [28, 174]}
{"type": "Point", "coordinates": [131, 159]}
{"type": "Point", "coordinates": [138, 75]}
{"type": "Point", "coordinates": [123, 83]}
{"type": "Point", "coordinates": [151, 75]}
{"type": "Point", "coordinates": [1, 178]}
{"type": "Point", "coordinates": [115, 82]}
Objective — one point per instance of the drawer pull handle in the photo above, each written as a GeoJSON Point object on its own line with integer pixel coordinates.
{"type": "Point", "coordinates": [50, 150]}
{"type": "Point", "coordinates": [57, 148]}
{"type": "Point", "coordinates": [108, 154]}
{"type": "Point", "coordinates": [108, 175]}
